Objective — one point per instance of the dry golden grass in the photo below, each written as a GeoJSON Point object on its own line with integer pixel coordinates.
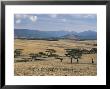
{"type": "Point", "coordinates": [51, 66]}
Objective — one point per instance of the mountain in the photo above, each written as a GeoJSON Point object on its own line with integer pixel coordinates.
{"type": "Point", "coordinates": [20, 33]}
{"type": "Point", "coordinates": [71, 37]}
{"type": "Point", "coordinates": [86, 35]}
{"type": "Point", "coordinates": [36, 34]}
{"type": "Point", "coordinates": [91, 35]}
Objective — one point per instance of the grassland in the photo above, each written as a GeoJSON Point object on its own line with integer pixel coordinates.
{"type": "Point", "coordinates": [51, 66]}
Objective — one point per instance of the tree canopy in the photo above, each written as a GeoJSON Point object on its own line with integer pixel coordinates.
{"type": "Point", "coordinates": [74, 53]}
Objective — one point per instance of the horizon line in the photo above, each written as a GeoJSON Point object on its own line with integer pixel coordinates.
{"type": "Point", "coordinates": [54, 30]}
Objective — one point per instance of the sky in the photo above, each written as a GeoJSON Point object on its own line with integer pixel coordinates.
{"type": "Point", "coordinates": [56, 22]}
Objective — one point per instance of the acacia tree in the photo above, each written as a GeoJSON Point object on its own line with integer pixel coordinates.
{"type": "Point", "coordinates": [74, 53]}
{"type": "Point", "coordinates": [17, 52]}
{"type": "Point", "coordinates": [85, 51]}
{"type": "Point", "coordinates": [50, 52]}
{"type": "Point", "coordinates": [34, 56]}
{"type": "Point", "coordinates": [93, 50]}
{"type": "Point", "coordinates": [58, 57]}
{"type": "Point", "coordinates": [61, 58]}
{"type": "Point", "coordinates": [42, 54]}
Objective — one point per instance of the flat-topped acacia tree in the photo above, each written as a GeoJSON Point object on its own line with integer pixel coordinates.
{"type": "Point", "coordinates": [50, 52]}
{"type": "Point", "coordinates": [93, 51]}
{"type": "Point", "coordinates": [34, 56]}
{"type": "Point", "coordinates": [17, 52]}
{"type": "Point", "coordinates": [74, 53]}
{"type": "Point", "coordinates": [41, 54]}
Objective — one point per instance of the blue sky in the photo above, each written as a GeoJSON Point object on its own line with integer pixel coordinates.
{"type": "Point", "coordinates": [56, 22]}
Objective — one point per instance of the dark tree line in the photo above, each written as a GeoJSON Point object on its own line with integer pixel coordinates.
{"type": "Point", "coordinates": [71, 53]}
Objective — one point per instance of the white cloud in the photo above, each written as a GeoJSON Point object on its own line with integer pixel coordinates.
{"type": "Point", "coordinates": [18, 21]}
{"type": "Point", "coordinates": [33, 18]}
{"type": "Point", "coordinates": [89, 16]}
{"type": "Point", "coordinates": [63, 20]}
{"type": "Point", "coordinates": [25, 16]}
{"type": "Point", "coordinates": [18, 16]}
{"type": "Point", "coordinates": [84, 15]}
{"type": "Point", "coordinates": [53, 15]}
{"type": "Point", "coordinates": [21, 17]}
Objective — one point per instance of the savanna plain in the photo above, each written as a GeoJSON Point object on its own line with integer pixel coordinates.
{"type": "Point", "coordinates": [55, 65]}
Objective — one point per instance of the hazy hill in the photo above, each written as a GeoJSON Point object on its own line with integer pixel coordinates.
{"type": "Point", "coordinates": [26, 33]}
{"type": "Point", "coordinates": [88, 35]}
{"type": "Point", "coordinates": [38, 34]}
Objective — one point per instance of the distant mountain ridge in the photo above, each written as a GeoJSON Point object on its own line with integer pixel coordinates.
{"type": "Point", "coordinates": [26, 33]}
{"type": "Point", "coordinates": [71, 37]}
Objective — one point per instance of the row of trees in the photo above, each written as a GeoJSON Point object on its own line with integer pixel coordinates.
{"type": "Point", "coordinates": [71, 53]}
{"type": "Point", "coordinates": [91, 51]}
{"type": "Point", "coordinates": [77, 53]}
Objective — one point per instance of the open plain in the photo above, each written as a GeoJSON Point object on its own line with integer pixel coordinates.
{"type": "Point", "coordinates": [50, 66]}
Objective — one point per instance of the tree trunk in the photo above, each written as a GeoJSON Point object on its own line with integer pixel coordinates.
{"type": "Point", "coordinates": [50, 54]}
{"type": "Point", "coordinates": [32, 59]}
{"type": "Point", "coordinates": [61, 60]}
{"type": "Point", "coordinates": [77, 61]}
{"type": "Point", "coordinates": [71, 60]}
{"type": "Point", "coordinates": [92, 61]}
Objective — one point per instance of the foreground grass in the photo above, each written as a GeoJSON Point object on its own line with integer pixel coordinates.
{"type": "Point", "coordinates": [52, 67]}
